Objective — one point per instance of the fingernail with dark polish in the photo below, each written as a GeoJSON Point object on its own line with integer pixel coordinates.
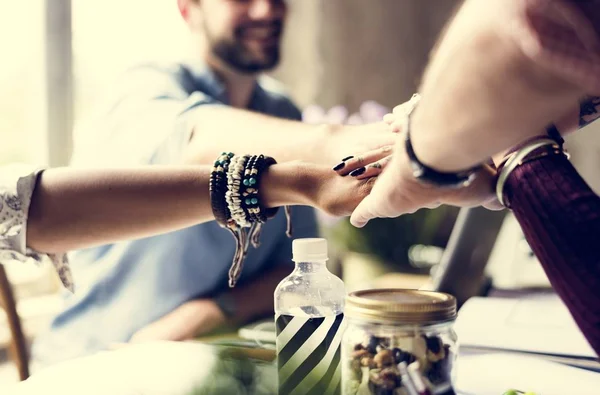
{"type": "Point", "coordinates": [358, 172]}
{"type": "Point", "coordinates": [339, 166]}
{"type": "Point", "coordinates": [347, 158]}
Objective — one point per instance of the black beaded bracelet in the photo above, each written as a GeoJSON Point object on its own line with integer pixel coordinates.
{"type": "Point", "coordinates": [236, 205]}
{"type": "Point", "coordinates": [251, 194]}
{"type": "Point", "coordinates": [218, 188]}
{"type": "Point", "coordinates": [233, 196]}
{"type": "Point", "coordinates": [263, 213]}
{"type": "Point", "coordinates": [249, 189]}
{"type": "Point", "coordinates": [263, 164]}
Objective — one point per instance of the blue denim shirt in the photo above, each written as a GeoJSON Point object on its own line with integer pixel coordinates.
{"type": "Point", "coordinates": [122, 287]}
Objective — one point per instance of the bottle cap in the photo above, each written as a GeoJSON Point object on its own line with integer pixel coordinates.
{"type": "Point", "coordinates": [309, 250]}
{"type": "Point", "coordinates": [401, 306]}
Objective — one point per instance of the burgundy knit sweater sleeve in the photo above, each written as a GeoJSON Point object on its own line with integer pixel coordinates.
{"type": "Point", "coordinates": [560, 216]}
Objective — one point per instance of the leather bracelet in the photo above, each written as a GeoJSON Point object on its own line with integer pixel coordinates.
{"type": "Point", "coordinates": [263, 164]}
{"type": "Point", "coordinates": [427, 174]}
{"type": "Point", "coordinates": [218, 188]}
{"type": "Point", "coordinates": [251, 202]}
{"type": "Point", "coordinates": [521, 156]}
{"type": "Point", "coordinates": [249, 193]}
{"type": "Point", "coordinates": [233, 196]}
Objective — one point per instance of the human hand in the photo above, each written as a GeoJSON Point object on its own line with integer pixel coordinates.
{"type": "Point", "coordinates": [187, 321]}
{"type": "Point", "coordinates": [398, 192]}
{"type": "Point", "coordinates": [371, 159]}
{"type": "Point", "coordinates": [357, 142]}
{"type": "Point", "coordinates": [309, 184]}
{"type": "Point", "coordinates": [369, 112]}
{"type": "Point", "coordinates": [334, 195]}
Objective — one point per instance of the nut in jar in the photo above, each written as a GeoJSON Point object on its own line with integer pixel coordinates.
{"type": "Point", "coordinates": [390, 330]}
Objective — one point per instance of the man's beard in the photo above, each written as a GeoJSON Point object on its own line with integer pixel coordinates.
{"type": "Point", "coordinates": [238, 56]}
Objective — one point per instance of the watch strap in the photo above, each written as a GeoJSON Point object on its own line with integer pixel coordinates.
{"type": "Point", "coordinates": [428, 174]}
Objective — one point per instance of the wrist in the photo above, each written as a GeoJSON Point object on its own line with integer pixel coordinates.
{"type": "Point", "coordinates": [286, 184]}
{"type": "Point", "coordinates": [431, 150]}
{"type": "Point", "coordinates": [424, 172]}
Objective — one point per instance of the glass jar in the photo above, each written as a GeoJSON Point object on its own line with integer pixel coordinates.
{"type": "Point", "coordinates": [393, 335]}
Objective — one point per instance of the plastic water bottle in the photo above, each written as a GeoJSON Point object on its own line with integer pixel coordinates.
{"type": "Point", "coordinates": [309, 306]}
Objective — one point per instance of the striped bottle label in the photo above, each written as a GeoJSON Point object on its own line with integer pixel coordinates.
{"type": "Point", "coordinates": [308, 354]}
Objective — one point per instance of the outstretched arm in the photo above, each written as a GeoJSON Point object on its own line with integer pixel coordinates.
{"type": "Point", "coordinates": [75, 208]}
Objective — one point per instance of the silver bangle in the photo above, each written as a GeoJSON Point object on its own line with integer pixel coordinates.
{"type": "Point", "coordinates": [514, 161]}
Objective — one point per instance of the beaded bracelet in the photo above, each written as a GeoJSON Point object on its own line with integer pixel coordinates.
{"type": "Point", "coordinates": [238, 217]}
{"type": "Point", "coordinates": [252, 204]}
{"type": "Point", "coordinates": [218, 188]}
{"type": "Point", "coordinates": [252, 176]}
{"type": "Point", "coordinates": [249, 189]}
{"type": "Point", "coordinates": [250, 199]}
{"type": "Point", "coordinates": [236, 204]}
{"type": "Point", "coordinates": [233, 195]}
{"type": "Point", "coordinates": [264, 214]}
{"type": "Point", "coordinates": [239, 214]}
{"type": "Point", "coordinates": [250, 195]}
{"type": "Point", "coordinates": [271, 212]}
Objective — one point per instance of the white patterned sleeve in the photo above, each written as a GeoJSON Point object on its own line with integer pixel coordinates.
{"type": "Point", "coordinates": [17, 183]}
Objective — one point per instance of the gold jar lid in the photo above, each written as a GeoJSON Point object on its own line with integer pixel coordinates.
{"type": "Point", "coordinates": [401, 306]}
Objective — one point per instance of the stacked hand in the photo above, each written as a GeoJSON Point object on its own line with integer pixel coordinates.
{"type": "Point", "coordinates": [356, 132]}
{"type": "Point", "coordinates": [397, 191]}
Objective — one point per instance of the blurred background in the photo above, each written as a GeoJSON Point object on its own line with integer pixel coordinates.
{"type": "Point", "coordinates": [57, 55]}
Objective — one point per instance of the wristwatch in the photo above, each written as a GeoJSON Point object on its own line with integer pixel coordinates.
{"type": "Point", "coordinates": [429, 175]}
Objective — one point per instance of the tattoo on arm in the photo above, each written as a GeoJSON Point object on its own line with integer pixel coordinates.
{"type": "Point", "coordinates": [589, 111]}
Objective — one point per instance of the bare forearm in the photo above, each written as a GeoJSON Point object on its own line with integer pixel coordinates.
{"type": "Point", "coordinates": [76, 208]}
{"type": "Point", "coordinates": [218, 128]}
{"type": "Point", "coordinates": [481, 93]}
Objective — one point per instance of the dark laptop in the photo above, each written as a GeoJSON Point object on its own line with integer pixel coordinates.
{"type": "Point", "coordinates": [461, 271]}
